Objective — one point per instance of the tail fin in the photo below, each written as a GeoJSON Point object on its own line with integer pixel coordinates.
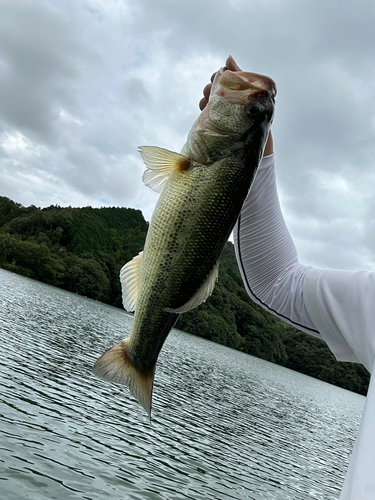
{"type": "Point", "coordinates": [115, 366]}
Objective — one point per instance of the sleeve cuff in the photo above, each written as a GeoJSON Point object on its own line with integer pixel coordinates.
{"type": "Point", "coordinates": [323, 292]}
{"type": "Point", "coordinates": [267, 161]}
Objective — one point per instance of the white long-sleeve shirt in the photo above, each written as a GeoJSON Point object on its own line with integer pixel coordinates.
{"type": "Point", "coordinates": [337, 306]}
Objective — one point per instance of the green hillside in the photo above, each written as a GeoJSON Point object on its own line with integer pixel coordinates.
{"type": "Point", "coordinates": [83, 249]}
{"type": "Point", "coordinates": [79, 249]}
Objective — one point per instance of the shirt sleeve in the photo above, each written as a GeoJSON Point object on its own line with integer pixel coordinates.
{"type": "Point", "coordinates": [337, 306]}
{"type": "Point", "coordinates": [341, 305]}
{"type": "Point", "coordinates": [266, 255]}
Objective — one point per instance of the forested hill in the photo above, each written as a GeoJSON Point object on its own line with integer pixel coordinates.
{"type": "Point", "coordinates": [83, 249]}
{"type": "Point", "coordinates": [79, 249]}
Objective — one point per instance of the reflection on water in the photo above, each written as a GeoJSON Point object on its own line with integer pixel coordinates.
{"type": "Point", "coordinates": [225, 425]}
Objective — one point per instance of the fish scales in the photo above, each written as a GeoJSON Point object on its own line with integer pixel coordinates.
{"type": "Point", "coordinates": [202, 192]}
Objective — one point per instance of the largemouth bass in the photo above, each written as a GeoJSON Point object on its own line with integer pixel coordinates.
{"type": "Point", "coordinates": [202, 192]}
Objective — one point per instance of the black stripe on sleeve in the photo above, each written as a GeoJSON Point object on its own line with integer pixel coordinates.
{"type": "Point", "coordinates": [264, 305]}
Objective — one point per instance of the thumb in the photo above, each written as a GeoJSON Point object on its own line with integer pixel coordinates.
{"type": "Point", "coordinates": [231, 64]}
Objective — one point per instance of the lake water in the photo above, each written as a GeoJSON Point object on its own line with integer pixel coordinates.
{"type": "Point", "coordinates": [225, 425]}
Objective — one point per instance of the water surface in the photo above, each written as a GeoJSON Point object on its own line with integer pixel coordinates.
{"type": "Point", "coordinates": [225, 425]}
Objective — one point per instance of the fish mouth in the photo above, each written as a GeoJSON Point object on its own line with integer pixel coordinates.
{"type": "Point", "coordinates": [237, 87]}
{"type": "Point", "coordinates": [241, 85]}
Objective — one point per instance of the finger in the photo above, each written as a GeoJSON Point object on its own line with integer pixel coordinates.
{"type": "Point", "coordinates": [232, 65]}
{"type": "Point", "coordinates": [203, 103]}
{"type": "Point", "coordinates": [207, 90]}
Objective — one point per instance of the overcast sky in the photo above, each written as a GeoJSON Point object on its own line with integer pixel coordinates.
{"type": "Point", "coordinates": [84, 83]}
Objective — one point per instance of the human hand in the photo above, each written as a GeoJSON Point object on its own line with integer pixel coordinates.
{"type": "Point", "coordinates": [231, 64]}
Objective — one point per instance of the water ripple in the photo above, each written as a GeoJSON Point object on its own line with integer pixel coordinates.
{"type": "Point", "coordinates": [225, 425]}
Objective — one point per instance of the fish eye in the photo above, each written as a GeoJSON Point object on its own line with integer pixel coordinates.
{"type": "Point", "coordinates": [254, 110]}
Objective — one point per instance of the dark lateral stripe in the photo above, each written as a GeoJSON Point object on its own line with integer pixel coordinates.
{"type": "Point", "coordinates": [266, 306]}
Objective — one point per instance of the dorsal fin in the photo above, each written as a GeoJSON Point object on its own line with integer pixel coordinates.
{"type": "Point", "coordinates": [129, 277]}
{"type": "Point", "coordinates": [202, 294]}
{"type": "Point", "coordinates": [160, 163]}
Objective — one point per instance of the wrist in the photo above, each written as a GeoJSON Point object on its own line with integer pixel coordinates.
{"type": "Point", "coordinates": [268, 150]}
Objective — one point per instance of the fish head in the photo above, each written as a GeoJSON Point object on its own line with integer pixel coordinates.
{"type": "Point", "coordinates": [240, 101]}
{"type": "Point", "coordinates": [240, 105]}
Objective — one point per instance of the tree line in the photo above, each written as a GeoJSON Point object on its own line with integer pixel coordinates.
{"type": "Point", "coordinates": [83, 249]}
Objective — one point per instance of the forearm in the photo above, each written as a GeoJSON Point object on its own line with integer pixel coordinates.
{"type": "Point", "coordinates": [266, 254]}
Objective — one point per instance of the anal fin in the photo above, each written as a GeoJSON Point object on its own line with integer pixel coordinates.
{"type": "Point", "coordinates": [202, 294]}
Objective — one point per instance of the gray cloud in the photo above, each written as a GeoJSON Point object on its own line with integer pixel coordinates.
{"type": "Point", "coordinates": [82, 85]}
{"type": "Point", "coordinates": [38, 54]}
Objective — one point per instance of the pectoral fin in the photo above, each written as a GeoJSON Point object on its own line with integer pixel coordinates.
{"type": "Point", "coordinates": [129, 277]}
{"type": "Point", "coordinates": [160, 163]}
{"type": "Point", "coordinates": [202, 295]}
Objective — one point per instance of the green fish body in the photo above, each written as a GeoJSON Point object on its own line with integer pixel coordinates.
{"type": "Point", "coordinates": [202, 192]}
